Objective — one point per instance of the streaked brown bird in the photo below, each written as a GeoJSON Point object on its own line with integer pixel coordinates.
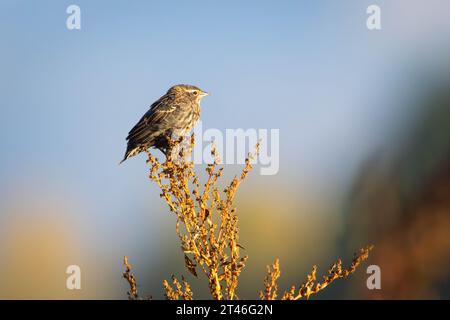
{"type": "Point", "coordinates": [172, 115]}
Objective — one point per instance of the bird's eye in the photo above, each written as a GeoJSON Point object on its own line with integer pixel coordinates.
{"type": "Point", "coordinates": [195, 93]}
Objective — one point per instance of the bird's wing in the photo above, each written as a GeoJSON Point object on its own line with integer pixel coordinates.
{"type": "Point", "coordinates": [153, 119]}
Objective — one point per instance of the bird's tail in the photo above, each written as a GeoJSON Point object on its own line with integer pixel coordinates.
{"type": "Point", "coordinates": [124, 158]}
{"type": "Point", "coordinates": [131, 152]}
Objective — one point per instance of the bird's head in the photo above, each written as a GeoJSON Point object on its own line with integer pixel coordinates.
{"type": "Point", "coordinates": [191, 92]}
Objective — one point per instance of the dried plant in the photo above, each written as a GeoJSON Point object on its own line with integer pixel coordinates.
{"type": "Point", "coordinates": [310, 286]}
{"type": "Point", "coordinates": [207, 227]}
{"type": "Point", "coordinates": [179, 290]}
{"type": "Point", "coordinates": [133, 293]}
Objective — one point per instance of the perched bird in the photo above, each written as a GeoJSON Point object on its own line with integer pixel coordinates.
{"type": "Point", "coordinates": [172, 115]}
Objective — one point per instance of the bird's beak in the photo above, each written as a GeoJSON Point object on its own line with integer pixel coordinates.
{"type": "Point", "coordinates": [204, 94]}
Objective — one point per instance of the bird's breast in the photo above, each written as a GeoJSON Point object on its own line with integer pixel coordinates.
{"type": "Point", "coordinates": [197, 110]}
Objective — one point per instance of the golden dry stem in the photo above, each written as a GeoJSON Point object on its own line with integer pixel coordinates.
{"type": "Point", "coordinates": [207, 227]}
{"type": "Point", "coordinates": [310, 286]}
{"type": "Point", "coordinates": [133, 293]}
{"type": "Point", "coordinates": [178, 290]}
{"type": "Point", "coordinates": [270, 282]}
{"type": "Point", "coordinates": [207, 224]}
